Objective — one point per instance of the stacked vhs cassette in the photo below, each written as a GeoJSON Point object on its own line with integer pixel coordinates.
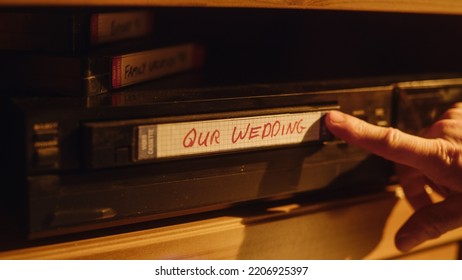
{"type": "Point", "coordinates": [88, 53]}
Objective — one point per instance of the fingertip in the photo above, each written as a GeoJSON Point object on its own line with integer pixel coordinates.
{"type": "Point", "coordinates": [412, 233]}
{"type": "Point", "coordinates": [430, 223]}
{"type": "Point", "coordinates": [340, 124]}
{"type": "Point", "coordinates": [405, 242]}
{"type": "Point", "coordinates": [417, 229]}
{"type": "Point", "coordinates": [335, 117]}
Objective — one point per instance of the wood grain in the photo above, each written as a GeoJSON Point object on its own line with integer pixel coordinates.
{"type": "Point", "coordinates": [408, 6]}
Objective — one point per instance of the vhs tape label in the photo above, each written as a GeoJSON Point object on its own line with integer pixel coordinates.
{"type": "Point", "coordinates": [111, 27]}
{"type": "Point", "coordinates": [147, 65]}
{"type": "Point", "coordinates": [223, 135]}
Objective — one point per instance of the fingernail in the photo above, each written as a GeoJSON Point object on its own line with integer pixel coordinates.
{"type": "Point", "coordinates": [336, 117]}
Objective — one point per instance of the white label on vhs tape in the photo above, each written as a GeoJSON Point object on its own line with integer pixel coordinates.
{"type": "Point", "coordinates": [223, 135]}
{"type": "Point", "coordinates": [111, 27]}
{"type": "Point", "coordinates": [147, 65]}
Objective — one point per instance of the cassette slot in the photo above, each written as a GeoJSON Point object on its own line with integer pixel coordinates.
{"type": "Point", "coordinates": [421, 103]}
{"type": "Point", "coordinates": [107, 136]}
{"type": "Point", "coordinates": [142, 140]}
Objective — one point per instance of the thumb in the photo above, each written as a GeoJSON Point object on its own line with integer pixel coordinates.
{"type": "Point", "coordinates": [430, 222]}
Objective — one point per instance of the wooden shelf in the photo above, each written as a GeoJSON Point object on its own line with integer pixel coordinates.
{"type": "Point", "coordinates": [355, 228]}
{"type": "Point", "coordinates": [410, 6]}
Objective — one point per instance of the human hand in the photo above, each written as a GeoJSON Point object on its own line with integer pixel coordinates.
{"type": "Point", "coordinates": [433, 159]}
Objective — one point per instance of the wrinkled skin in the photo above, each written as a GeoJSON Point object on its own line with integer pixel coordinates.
{"type": "Point", "coordinates": [434, 159]}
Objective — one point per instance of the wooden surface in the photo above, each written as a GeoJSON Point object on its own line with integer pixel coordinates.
{"type": "Point", "coordinates": [400, 213]}
{"type": "Point", "coordinates": [411, 6]}
{"type": "Point", "coordinates": [445, 252]}
{"type": "Point", "coordinates": [359, 228]}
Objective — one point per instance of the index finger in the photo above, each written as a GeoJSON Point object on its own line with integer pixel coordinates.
{"type": "Point", "coordinates": [387, 142]}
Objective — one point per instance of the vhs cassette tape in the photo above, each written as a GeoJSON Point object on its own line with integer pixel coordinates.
{"type": "Point", "coordinates": [66, 31]}
{"type": "Point", "coordinates": [98, 71]}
